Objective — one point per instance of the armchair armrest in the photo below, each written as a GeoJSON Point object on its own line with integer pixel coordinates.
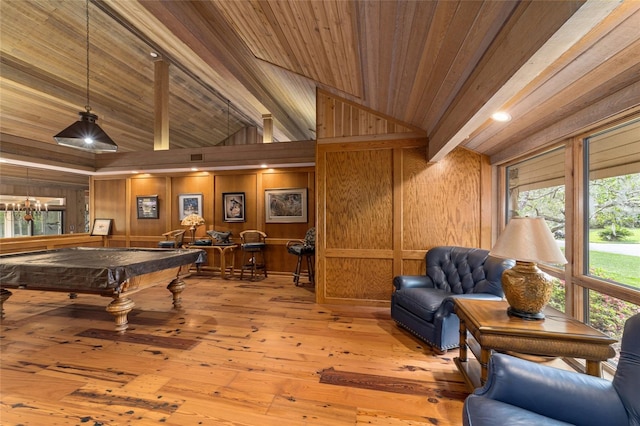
{"type": "Point", "coordinates": [294, 242]}
{"type": "Point", "coordinates": [412, 281]}
{"type": "Point", "coordinates": [564, 395]}
{"type": "Point", "coordinates": [449, 304]}
{"type": "Point", "coordinates": [172, 234]}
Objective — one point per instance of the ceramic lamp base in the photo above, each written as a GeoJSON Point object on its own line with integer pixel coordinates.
{"type": "Point", "coordinates": [527, 289]}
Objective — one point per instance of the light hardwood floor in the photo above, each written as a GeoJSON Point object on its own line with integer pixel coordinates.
{"type": "Point", "coordinates": [238, 353]}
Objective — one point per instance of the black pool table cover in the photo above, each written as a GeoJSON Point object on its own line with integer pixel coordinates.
{"type": "Point", "coordinates": [88, 269]}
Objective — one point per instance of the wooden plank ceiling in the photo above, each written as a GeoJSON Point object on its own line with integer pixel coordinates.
{"type": "Point", "coordinates": [441, 66]}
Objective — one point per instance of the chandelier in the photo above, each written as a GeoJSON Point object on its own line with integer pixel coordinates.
{"type": "Point", "coordinates": [30, 208]}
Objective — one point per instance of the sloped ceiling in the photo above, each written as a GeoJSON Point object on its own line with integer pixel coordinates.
{"type": "Point", "coordinates": [441, 66]}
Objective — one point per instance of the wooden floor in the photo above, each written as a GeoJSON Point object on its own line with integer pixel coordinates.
{"type": "Point", "coordinates": [238, 353]}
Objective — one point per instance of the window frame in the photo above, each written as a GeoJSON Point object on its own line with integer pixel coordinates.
{"type": "Point", "coordinates": [576, 190]}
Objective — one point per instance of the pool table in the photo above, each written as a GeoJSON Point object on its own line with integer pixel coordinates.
{"type": "Point", "coordinates": [111, 272]}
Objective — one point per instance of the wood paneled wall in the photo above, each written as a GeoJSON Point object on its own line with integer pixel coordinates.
{"type": "Point", "coordinates": [49, 242]}
{"type": "Point", "coordinates": [338, 117]}
{"type": "Point", "coordinates": [115, 198]}
{"type": "Point", "coordinates": [381, 206]}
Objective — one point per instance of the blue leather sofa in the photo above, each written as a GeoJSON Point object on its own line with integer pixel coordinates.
{"type": "Point", "coordinates": [519, 392]}
{"type": "Point", "coordinates": [424, 304]}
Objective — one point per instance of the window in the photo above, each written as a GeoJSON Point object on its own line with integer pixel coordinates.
{"type": "Point", "coordinates": [47, 219]}
{"type": "Point", "coordinates": [612, 207]}
{"type": "Point", "coordinates": [535, 187]}
{"type": "Point", "coordinates": [612, 224]}
{"type": "Point", "coordinates": [598, 220]}
{"type": "Point", "coordinates": [12, 224]}
{"type": "Point", "coordinates": [608, 314]}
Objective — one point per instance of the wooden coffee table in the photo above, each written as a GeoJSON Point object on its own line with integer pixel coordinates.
{"type": "Point", "coordinates": [224, 251]}
{"type": "Point", "coordinates": [558, 335]}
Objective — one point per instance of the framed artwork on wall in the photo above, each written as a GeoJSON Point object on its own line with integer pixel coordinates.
{"type": "Point", "coordinates": [101, 227]}
{"type": "Point", "coordinates": [233, 205]}
{"type": "Point", "coordinates": [285, 205]}
{"type": "Point", "coordinates": [189, 204]}
{"type": "Point", "coordinates": [147, 206]}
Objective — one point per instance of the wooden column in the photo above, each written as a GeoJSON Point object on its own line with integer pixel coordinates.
{"type": "Point", "coordinates": [161, 102]}
{"type": "Point", "coordinates": [267, 135]}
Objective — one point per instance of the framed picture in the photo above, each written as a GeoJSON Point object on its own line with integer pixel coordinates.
{"type": "Point", "coordinates": [147, 206]}
{"type": "Point", "coordinates": [233, 204]}
{"type": "Point", "coordinates": [285, 205]}
{"type": "Point", "coordinates": [190, 203]}
{"type": "Point", "coordinates": [101, 227]}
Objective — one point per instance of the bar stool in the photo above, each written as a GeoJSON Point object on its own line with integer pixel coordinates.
{"type": "Point", "coordinates": [253, 246]}
{"type": "Point", "coordinates": [304, 248]}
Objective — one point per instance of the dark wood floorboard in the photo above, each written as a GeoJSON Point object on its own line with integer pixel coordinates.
{"type": "Point", "coordinates": [237, 353]}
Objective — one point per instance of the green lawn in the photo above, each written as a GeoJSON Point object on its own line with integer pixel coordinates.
{"type": "Point", "coordinates": [621, 268]}
{"type": "Point", "coordinates": [634, 238]}
{"type": "Point", "coordinates": [617, 267]}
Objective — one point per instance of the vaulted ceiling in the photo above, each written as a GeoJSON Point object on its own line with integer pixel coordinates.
{"type": "Point", "coordinates": [441, 66]}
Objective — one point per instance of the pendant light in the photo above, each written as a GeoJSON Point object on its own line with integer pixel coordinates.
{"type": "Point", "coordinates": [85, 134]}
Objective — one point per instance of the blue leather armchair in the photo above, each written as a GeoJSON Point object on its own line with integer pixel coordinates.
{"type": "Point", "coordinates": [423, 304]}
{"type": "Point", "coordinates": [519, 392]}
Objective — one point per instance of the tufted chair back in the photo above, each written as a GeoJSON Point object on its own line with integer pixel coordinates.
{"type": "Point", "coordinates": [310, 237]}
{"type": "Point", "coordinates": [425, 304]}
{"type": "Point", "coordinates": [461, 270]}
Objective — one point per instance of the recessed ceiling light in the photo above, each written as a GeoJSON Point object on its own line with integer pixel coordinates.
{"type": "Point", "coordinates": [501, 116]}
{"type": "Point", "coordinates": [154, 54]}
{"type": "Point", "coordinates": [264, 166]}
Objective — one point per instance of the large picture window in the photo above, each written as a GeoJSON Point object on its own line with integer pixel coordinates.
{"type": "Point", "coordinates": [611, 225]}
{"type": "Point", "coordinates": [612, 206]}
{"type": "Point", "coordinates": [588, 191]}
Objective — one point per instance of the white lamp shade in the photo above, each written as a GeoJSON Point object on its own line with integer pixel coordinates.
{"type": "Point", "coordinates": [528, 239]}
{"type": "Point", "coordinates": [192, 220]}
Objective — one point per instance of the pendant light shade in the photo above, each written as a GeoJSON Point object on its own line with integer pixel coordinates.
{"type": "Point", "coordinates": [85, 134]}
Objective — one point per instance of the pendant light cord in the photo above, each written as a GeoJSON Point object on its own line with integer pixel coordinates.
{"type": "Point", "coordinates": [87, 106]}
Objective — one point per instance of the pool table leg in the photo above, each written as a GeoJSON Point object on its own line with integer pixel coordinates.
{"type": "Point", "coordinates": [176, 287]}
{"type": "Point", "coordinates": [4, 295]}
{"type": "Point", "coordinates": [120, 308]}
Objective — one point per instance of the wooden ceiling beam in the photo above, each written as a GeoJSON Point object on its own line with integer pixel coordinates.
{"type": "Point", "coordinates": [218, 157]}
{"type": "Point", "coordinates": [161, 103]}
{"type": "Point", "coordinates": [226, 53]}
{"type": "Point", "coordinates": [515, 58]}
{"type": "Point", "coordinates": [623, 103]}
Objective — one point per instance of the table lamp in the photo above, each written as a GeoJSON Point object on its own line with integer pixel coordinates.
{"type": "Point", "coordinates": [527, 289]}
{"type": "Point", "coordinates": [192, 220]}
